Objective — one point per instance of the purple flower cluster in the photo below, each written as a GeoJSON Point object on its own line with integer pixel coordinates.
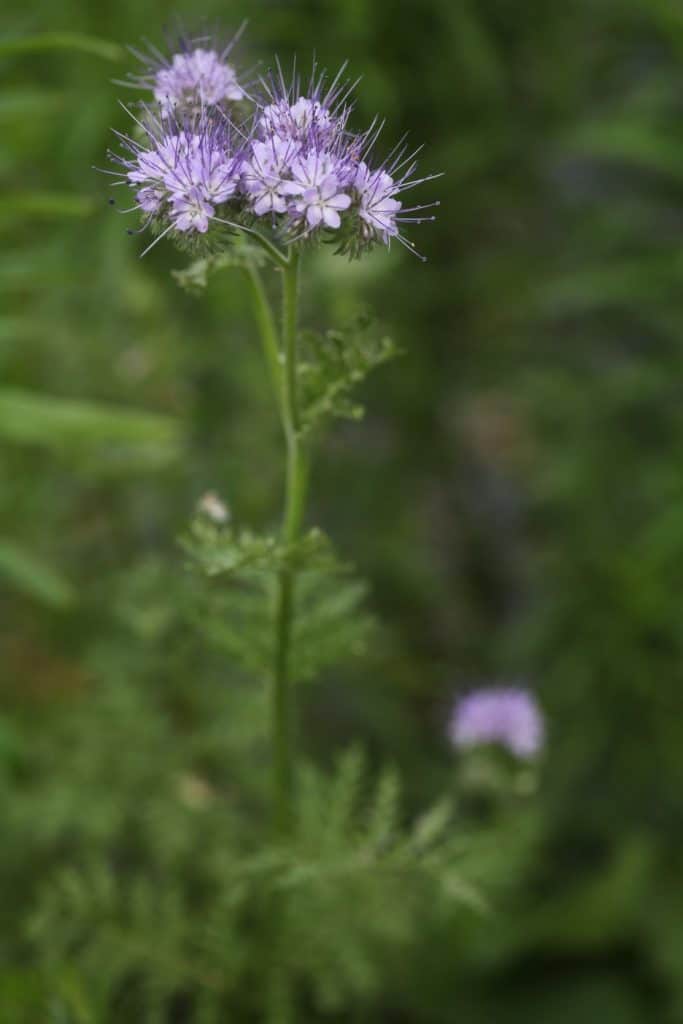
{"type": "Point", "coordinates": [295, 165]}
{"type": "Point", "coordinates": [502, 715]}
{"type": "Point", "coordinates": [299, 165]}
{"type": "Point", "coordinates": [182, 174]}
{"type": "Point", "coordinates": [198, 76]}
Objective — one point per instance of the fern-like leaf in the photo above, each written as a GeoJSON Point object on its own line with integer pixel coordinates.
{"type": "Point", "coordinates": [332, 365]}
{"type": "Point", "coordinates": [228, 551]}
{"type": "Point", "coordinates": [239, 254]}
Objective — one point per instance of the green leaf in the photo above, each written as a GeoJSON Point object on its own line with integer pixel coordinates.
{"type": "Point", "coordinates": [19, 103]}
{"type": "Point", "coordinates": [45, 205]}
{"type": "Point", "coordinates": [238, 621]}
{"type": "Point", "coordinates": [240, 253]}
{"type": "Point", "coordinates": [332, 624]}
{"type": "Point", "coordinates": [431, 826]}
{"type": "Point", "coordinates": [384, 811]}
{"type": "Point", "coordinates": [62, 41]}
{"type": "Point", "coordinates": [70, 425]}
{"type": "Point", "coordinates": [33, 577]}
{"type": "Point", "coordinates": [225, 551]}
{"type": "Point", "coordinates": [332, 365]}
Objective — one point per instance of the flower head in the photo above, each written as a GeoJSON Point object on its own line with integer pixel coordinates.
{"type": "Point", "coordinates": [297, 162]}
{"type": "Point", "coordinates": [197, 76]}
{"type": "Point", "coordinates": [297, 170]}
{"type": "Point", "coordinates": [507, 716]}
{"type": "Point", "coordinates": [313, 116]}
{"type": "Point", "coordinates": [182, 174]}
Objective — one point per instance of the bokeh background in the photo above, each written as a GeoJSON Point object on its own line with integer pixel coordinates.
{"type": "Point", "coordinates": [514, 495]}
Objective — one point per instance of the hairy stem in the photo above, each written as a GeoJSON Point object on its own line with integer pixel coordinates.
{"type": "Point", "coordinates": [265, 321]}
{"type": "Point", "coordinates": [274, 253]}
{"type": "Point", "coordinates": [281, 359]}
{"type": "Point", "coordinates": [295, 496]}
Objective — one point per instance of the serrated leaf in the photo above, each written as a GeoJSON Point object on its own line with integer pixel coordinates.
{"type": "Point", "coordinates": [342, 807]}
{"type": "Point", "coordinates": [226, 551]}
{"type": "Point", "coordinates": [458, 889]}
{"type": "Point", "coordinates": [431, 826]}
{"type": "Point", "coordinates": [238, 620]}
{"type": "Point", "coordinates": [331, 623]}
{"type": "Point", "coordinates": [383, 815]}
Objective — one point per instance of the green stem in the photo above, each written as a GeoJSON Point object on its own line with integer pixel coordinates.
{"type": "Point", "coordinates": [281, 358]}
{"type": "Point", "coordinates": [295, 497]}
{"type": "Point", "coordinates": [275, 254]}
{"type": "Point", "coordinates": [269, 334]}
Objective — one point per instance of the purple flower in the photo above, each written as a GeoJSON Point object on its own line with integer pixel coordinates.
{"type": "Point", "coordinates": [150, 198]}
{"type": "Point", "coordinates": [191, 212]}
{"type": "Point", "coordinates": [199, 75]}
{"type": "Point", "coordinates": [380, 211]}
{"type": "Point", "coordinates": [306, 121]}
{"type": "Point", "coordinates": [377, 207]}
{"type": "Point", "coordinates": [298, 167]}
{"type": "Point", "coordinates": [315, 182]}
{"type": "Point", "coordinates": [313, 116]}
{"type": "Point", "coordinates": [265, 172]}
{"type": "Point", "coordinates": [206, 168]}
{"type": "Point", "coordinates": [182, 174]}
{"type": "Point", "coordinates": [507, 716]}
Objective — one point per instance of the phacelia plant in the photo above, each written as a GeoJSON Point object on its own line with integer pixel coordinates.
{"type": "Point", "coordinates": [213, 164]}
{"type": "Point", "coordinates": [257, 175]}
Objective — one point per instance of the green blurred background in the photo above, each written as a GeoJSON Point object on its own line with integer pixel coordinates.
{"type": "Point", "coordinates": [514, 495]}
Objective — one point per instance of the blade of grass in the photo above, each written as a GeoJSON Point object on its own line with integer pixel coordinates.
{"type": "Point", "coordinates": [62, 41]}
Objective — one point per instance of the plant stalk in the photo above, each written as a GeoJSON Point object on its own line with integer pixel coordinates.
{"type": "Point", "coordinates": [281, 359]}
{"type": "Point", "coordinates": [284, 724]}
{"type": "Point", "coordinates": [263, 314]}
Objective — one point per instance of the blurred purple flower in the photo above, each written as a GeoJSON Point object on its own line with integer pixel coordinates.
{"type": "Point", "coordinates": [507, 716]}
{"type": "Point", "coordinates": [198, 75]}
